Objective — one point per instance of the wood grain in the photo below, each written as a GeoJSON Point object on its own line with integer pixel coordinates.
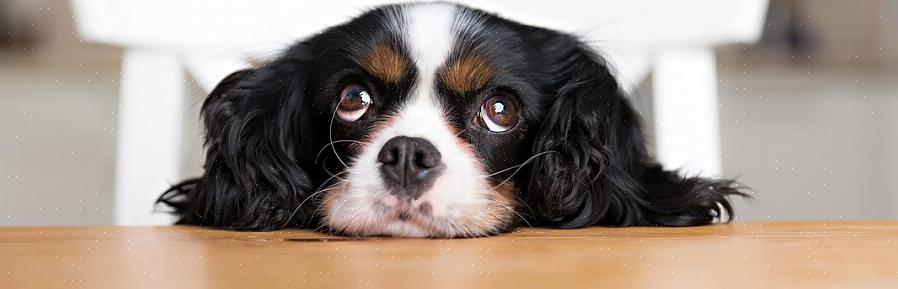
{"type": "Point", "coordinates": [738, 255]}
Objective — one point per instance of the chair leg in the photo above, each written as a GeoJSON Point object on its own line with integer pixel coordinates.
{"type": "Point", "coordinates": [208, 70]}
{"type": "Point", "coordinates": [686, 111]}
{"type": "Point", "coordinates": [149, 134]}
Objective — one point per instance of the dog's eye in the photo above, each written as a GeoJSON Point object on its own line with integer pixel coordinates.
{"type": "Point", "coordinates": [354, 101]}
{"type": "Point", "coordinates": [499, 113]}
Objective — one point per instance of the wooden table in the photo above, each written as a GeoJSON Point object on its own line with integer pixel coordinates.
{"type": "Point", "coordinates": [821, 254]}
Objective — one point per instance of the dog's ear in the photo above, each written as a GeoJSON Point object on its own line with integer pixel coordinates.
{"type": "Point", "coordinates": [599, 171]}
{"type": "Point", "coordinates": [250, 181]}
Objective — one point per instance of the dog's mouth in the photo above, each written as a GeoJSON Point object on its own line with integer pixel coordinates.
{"type": "Point", "coordinates": [411, 216]}
{"type": "Point", "coordinates": [411, 225]}
{"type": "Point", "coordinates": [393, 216]}
{"type": "Point", "coordinates": [378, 213]}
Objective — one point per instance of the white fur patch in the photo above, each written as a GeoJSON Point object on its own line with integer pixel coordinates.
{"type": "Point", "coordinates": [362, 205]}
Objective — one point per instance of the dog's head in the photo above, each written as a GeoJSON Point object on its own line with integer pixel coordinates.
{"type": "Point", "coordinates": [433, 120]}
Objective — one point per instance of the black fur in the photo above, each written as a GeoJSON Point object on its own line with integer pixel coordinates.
{"type": "Point", "coordinates": [601, 172]}
{"type": "Point", "coordinates": [250, 182]}
{"type": "Point", "coordinates": [265, 128]}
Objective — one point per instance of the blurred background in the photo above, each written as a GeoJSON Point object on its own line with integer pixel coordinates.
{"type": "Point", "coordinates": [808, 116]}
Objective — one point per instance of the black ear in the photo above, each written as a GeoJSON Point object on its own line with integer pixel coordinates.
{"type": "Point", "coordinates": [250, 180]}
{"type": "Point", "coordinates": [599, 171]}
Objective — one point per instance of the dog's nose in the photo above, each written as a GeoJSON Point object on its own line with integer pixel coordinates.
{"type": "Point", "coordinates": [409, 165]}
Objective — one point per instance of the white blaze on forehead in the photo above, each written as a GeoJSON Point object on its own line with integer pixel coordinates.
{"type": "Point", "coordinates": [430, 37]}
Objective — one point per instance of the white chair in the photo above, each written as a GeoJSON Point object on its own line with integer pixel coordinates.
{"type": "Point", "coordinates": [672, 39]}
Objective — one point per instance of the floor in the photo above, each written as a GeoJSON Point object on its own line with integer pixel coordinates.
{"type": "Point", "coordinates": [823, 254]}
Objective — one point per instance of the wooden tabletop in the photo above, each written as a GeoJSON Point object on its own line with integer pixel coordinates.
{"type": "Point", "coordinates": [739, 255]}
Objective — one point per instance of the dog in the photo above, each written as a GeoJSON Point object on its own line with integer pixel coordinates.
{"type": "Point", "coordinates": [434, 120]}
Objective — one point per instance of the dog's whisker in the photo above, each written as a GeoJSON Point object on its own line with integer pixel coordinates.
{"type": "Point", "coordinates": [318, 155]}
{"type": "Point", "coordinates": [332, 175]}
{"type": "Point", "coordinates": [330, 134]}
{"type": "Point", "coordinates": [493, 230]}
{"type": "Point", "coordinates": [317, 191]}
{"type": "Point", "coordinates": [519, 167]}
{"type": "Point", "coordinates": [525, 162]}
{"type": "Point", "coordinates": [337, 208]}
{"type": "Point", "coordinates": [328, 199]}
{"type": "Point", "coordinates": [515, 213]}
{"type": "Point", "coordinates": [287, 222]}
{"type": "Point", "coordinates": [521, 201]}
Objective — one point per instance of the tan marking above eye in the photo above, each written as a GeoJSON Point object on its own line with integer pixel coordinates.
{"type": "Point", "coordinates": [469, 73]}
{"type": "Point", "coordinates": [385, 63]}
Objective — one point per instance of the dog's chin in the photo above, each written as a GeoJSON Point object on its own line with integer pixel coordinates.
{"type": "Point", "coordinates": [367, 213]}
{"type": "Point", "coordinates": [410, 227]}
{"type": "Point", "coordinates": [403, 225]}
